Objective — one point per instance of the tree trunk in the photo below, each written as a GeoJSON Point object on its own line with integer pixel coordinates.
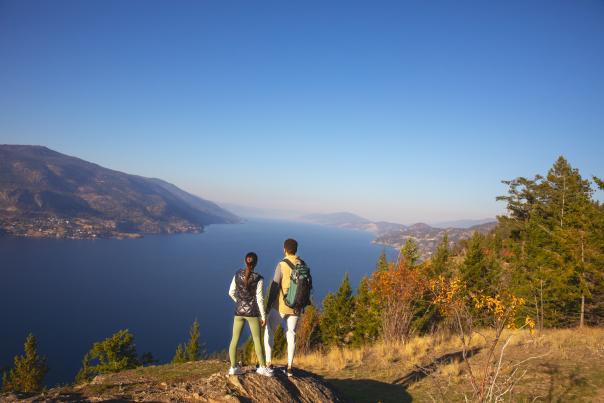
{"type": "Point", "coordinates": [541, 300]}
{"type": "Point", "coordinates": [582, 294]}
{"type": "Point", "coordinates": [582, 310]}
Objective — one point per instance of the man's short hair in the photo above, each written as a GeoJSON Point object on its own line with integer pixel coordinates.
{"type": "Point", "coordinates": [290, 246]}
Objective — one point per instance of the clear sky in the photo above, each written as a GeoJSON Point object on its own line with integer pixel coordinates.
{"type": "Point", "coordinates": [401, 111]}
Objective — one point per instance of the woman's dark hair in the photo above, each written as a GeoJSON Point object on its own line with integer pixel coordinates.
{"type": "Point", "coordinates": [251, 260]}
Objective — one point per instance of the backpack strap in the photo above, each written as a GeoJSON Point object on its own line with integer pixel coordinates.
{"type": "Point", "coordinates": [290, 264]}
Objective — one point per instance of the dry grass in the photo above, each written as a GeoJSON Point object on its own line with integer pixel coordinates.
{"type": "Point", "coordinates": [560, 364]}
{"type": "Point", "coordinates": [407, 354]}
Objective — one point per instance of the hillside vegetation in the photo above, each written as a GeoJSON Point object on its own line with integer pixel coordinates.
{"type": "Point", "coordinates": [562, 365]}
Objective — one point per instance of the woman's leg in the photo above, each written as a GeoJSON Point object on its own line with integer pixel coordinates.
{"type": "Point", "coordinates": [237, 327]}
{"type": "Point", "coordinates": [255, 328]}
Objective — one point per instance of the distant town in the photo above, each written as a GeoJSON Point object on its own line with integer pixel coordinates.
{"type": "Point", "coordinates": [80, 228]}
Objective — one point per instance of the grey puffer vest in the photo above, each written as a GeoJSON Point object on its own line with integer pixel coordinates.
{"type": "Point", "coordinates": [246, 304]}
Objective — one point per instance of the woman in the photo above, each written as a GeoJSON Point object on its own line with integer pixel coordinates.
{"type": "Point", "coordinates": [246, 290]}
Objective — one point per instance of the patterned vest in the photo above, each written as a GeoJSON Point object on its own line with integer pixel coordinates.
{"type": "Point", "coordinates": [246, 296]}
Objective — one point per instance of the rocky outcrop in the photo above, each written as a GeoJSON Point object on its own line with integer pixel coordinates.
{"type": "Point", "coordinates": [189, 383]}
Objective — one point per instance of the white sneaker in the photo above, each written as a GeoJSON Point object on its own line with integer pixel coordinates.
{"type": "Point", "coordinates": [235, 371]}
{"type": "Point", "coordinates": [264, 371]}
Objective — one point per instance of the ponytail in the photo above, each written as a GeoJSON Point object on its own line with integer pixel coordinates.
{"type": "Point", "coordinates": [251, 259]}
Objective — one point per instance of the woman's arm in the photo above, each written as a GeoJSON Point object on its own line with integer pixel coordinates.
{"type": "Point", "coordinates": [232, 289]}
{"type": "Point", "coordinates": [260, 299]}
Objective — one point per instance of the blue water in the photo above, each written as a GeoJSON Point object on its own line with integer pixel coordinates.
{"type": "Point", "coordinates": [73, 293]}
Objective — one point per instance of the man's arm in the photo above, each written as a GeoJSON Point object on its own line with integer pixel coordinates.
{"type": "Point", "coordinates": [274, 289]}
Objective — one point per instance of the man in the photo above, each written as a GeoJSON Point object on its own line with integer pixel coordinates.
{"type": "Point", "coordinates": [278, 311]}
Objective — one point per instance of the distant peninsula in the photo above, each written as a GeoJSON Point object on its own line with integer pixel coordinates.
{"type": "Point", "coordinates": [46, 194]}
{"type": "Point", "coordinates": [395, 235]}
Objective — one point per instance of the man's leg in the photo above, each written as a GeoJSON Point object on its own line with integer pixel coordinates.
{"type": "Point", "coordinates": [272, 321]}
{"type": "Point", "coordinates": [292, 322]}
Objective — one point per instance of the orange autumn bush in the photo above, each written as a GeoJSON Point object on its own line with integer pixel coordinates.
{"type": "Point", "coordinates": [399, 290]}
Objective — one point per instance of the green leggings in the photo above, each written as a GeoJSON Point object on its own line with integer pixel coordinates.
{"type": "Point", "coordinates": [238, 323]}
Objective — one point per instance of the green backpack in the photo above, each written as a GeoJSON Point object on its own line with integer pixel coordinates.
{"type": "Point", "coordinates": [300, 286]}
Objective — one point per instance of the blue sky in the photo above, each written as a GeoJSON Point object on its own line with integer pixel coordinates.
{"type": "Point", "coordinates": [401, 111]}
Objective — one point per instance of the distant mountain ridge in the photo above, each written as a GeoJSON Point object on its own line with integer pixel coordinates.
{"type": "Point", "coordinates": [44, 193]}
{"type": "Point", "coordinates": [395, 235]}
{"type": "Point", "coordinates": [462, 223]}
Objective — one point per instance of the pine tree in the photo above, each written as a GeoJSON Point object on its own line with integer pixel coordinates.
{"type": "Point", "coordinates": [553, 245]}
{"type": "Point", "coordinates": [367, 317]}
{"type": "Point", "coordinates": [382, 263]}
{"type": "Point", "coordinates": [29, 370]}
{"type": "Point", "coordinates": [179, 355]}
{"type": "Point", "coordinates": [336, 319]}
{"type": "Point", "coordinates": [5, 382]}
{"type": "Point", "coordinates": [115, 353]}
{"type": "Point", "coordinates": [439, 264]}
{"type": "Point", "coordinates": [410, 252]}
{"type": "Point", "coordinates": [478, 270]}
{"type": "Point", "coordinates": [85, 373]}
{"type": "Point", "coordinates": [195, 350]}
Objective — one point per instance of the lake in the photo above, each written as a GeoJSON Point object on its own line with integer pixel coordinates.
{"type": "Point", "coordinates": [73, 293]}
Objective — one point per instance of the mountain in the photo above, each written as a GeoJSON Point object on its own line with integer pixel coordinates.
{"type": "Point", "coordinates": [336, 219]}
{"type": "Point", "coordinates": [395, 235]}
{"type": "Point", "coordinates": [44, 193]}
{"type": "Point", "coordinates": [261, 212]}
{"type": "Point", "coordinates": [429, 237]}
{"type": "Point", "coordinates": [463, 223]}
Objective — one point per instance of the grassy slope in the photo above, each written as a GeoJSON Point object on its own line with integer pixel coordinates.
{"type": "Point", "coordinates": [566, 365]}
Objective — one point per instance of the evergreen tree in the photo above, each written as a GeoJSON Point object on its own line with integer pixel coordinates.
{"type": "Point", "coordinates": [5, 381]}
{"type": "Point", "coordinates": [179, 355]}
{"type": "Point", "coordinates": [382, 263]}
{"type": "Point", "coordinates": [439, 264]}
{"type": "Point", "coordinates": [29, 370]}
{"type": "Point", "coordinates": [410, 252]}
{"type": "Point", "coordinates": [479, 270]}
{"type": "Point", "coordinates": [367, 318]}
{"type": "Point", "coordinates": [85, 373]}
{"type": "Point", "coordinates": [336, 319]}
{"type": "Point", "coordinates": [115, 353]}
{"type": "Point", "coordinates": [553, 247]}
{"type": "Point", "coordinates": [195, 350]}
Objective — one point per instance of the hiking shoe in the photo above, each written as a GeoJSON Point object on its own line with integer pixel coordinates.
{"type": "Point", "coordinates": [290, 372]}
{"type": "Point", "coordinates": [235, 371]}
{"type": "Point", "coordinates": [264, 371]}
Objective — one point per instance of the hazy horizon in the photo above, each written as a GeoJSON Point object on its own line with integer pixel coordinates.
{"type": "Point", "coordinates": [405, 112]}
